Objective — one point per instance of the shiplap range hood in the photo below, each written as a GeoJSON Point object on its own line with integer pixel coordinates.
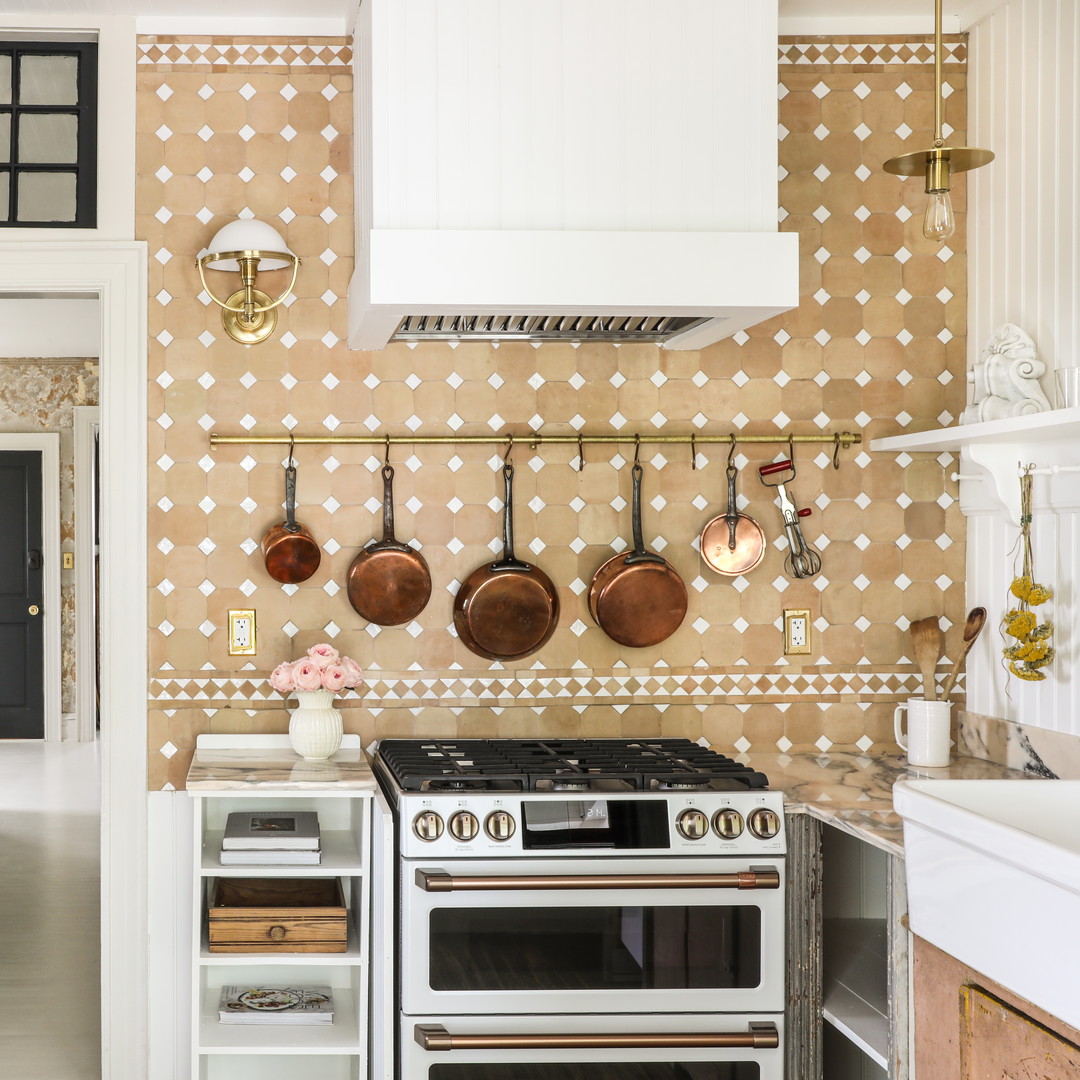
{"type": "Point", "coordinates": [567, 169]}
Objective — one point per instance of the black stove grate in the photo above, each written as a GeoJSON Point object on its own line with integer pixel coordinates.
{"type": "Point", "coordinates": [560, 764]}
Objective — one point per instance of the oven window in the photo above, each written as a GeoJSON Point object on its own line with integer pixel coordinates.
{"type": "Point", "coordinates": [595, 948]}
{"type": "Point", "coordinates": [590, 1070]}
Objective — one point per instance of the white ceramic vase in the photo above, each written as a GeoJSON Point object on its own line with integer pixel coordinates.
{"type": "Point", "coordinates": [315, 727]}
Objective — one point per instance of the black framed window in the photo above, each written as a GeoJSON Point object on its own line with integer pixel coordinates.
{"type": "Point", "coordinates": [48, 134]}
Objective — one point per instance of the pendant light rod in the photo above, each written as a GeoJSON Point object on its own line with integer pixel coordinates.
{"type": "Point", "coordinates": [939, 139]}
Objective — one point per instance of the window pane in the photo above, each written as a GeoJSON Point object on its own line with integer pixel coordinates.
{"type": "Point", "coordinates": [5, 80]}
{"type": "Point", "coordinates": [49, 80]}
{"type": "Point", "coordinates": [5, 136]}
{"type": "Point", "coordinates": [46, 196]}
{"type": "Point", "coordinates": [5, 182]}
{"type": "Point", "coordinates": [48, 138]}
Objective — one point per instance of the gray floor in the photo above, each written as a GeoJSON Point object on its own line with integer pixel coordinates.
{"type": "Point", "coordinates": [50, 825]}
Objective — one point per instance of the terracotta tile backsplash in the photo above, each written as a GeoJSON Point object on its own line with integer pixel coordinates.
{"type": "Point", "coordinates": [877, 345]}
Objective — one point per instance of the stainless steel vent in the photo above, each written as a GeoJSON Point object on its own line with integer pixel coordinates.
{"type": "Point", "coordinates": [657, 328]}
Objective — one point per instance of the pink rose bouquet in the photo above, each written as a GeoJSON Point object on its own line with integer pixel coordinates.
{"type": "Point", "coordinates": [323, 668]}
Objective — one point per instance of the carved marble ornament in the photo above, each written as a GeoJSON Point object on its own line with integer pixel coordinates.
{"type": "Point", "coordinates": [1005, 380]}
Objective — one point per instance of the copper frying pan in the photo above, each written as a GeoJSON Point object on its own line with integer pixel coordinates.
{"type": "Point", "coordinates": [733, 543]}
{"type": "Point", "coordinates": [637, 597]}
{"type": "Point", "coordinates": [388, 582]}
{"type": "Point", "coordinates": [290, 553]}
{"type": "Point", "coordinates": [508, 609]}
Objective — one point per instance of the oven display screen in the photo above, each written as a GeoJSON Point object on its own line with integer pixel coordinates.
{"type": "Point", "coordinates": [617, 824]}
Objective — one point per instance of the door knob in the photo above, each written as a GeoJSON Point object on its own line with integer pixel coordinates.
{"type": "Point", "coordinates": [33, 609]}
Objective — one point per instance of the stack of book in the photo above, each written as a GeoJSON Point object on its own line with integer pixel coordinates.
{"type": "Point", "coordinates": [276, 1005]}
{"type": "Point", "coordinates": [271, 838]}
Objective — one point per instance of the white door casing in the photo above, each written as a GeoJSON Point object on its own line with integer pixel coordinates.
{"type": "Point", "coordinates": [116, 271]}
{"type": "Point", "coordinates": [87, 424]}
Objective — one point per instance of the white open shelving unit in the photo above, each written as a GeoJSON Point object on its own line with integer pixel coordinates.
{"type": "Point", "coordinates": [349, 819]}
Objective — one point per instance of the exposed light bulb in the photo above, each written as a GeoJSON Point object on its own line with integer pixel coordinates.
{"type": "Point", "coordinates": [939, 222]}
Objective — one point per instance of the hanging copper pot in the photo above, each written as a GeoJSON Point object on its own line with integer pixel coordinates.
{"type": "Point", "coordinates": [506, 610]}
{"type": "Point", "coordinates": [290, 553]}
{"type": "Point", "coordinates": [733, 543]}
{"type": "Point", "coordinates": [388, 582]}
{"type": "Point", "coordinates": [637, 597]}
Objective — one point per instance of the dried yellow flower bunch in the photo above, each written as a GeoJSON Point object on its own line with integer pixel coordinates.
{"type": "Point", "coordinates": [1032, 651]}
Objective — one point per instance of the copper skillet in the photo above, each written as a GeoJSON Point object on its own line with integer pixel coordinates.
{"type": "Point", "coordinates": [733, 543]}
{"type": "Point", "coordinates": [290, 553]}
{"type": "Point", "coordinates": [506, 610]}
{"type": "Point", "coordinates": [388, 582]}
{"type": "Point", "coordinates": [637, 597]}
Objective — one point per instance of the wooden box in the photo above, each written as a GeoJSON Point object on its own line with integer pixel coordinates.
{"type": "Point", "coordinates": [295, 915]}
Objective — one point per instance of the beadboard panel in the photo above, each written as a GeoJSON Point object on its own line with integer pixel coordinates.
{"type": "Point", "coordinates": [1024, 104]}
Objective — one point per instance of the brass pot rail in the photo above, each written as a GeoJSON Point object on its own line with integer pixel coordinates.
{"type": "Point", "coordinates": [533, 439]}
{"type": "Point", "coordinates": [435, 1037]}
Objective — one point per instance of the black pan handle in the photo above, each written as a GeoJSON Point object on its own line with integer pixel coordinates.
{"type": "Point", "coordinates": [732, 515]}
{"type": "Point", "coordinates": [639, 554]}
{"type": "Point", "coordinates": [389, 541]}
{"type": "Point", "coordinates": [290, 499]}
{"type": "Point", "coordinates": [508, 561]}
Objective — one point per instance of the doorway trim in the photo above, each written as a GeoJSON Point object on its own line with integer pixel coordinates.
{"type": "Point", "coordinates": [47, 443]}
{"type": "Point", "coordinates": [116, 271]}
{"type": "Point", "coordinates": [86, 425]}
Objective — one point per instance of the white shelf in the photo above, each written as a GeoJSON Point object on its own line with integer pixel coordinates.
{"type": "Point", "coordinates": [340, 857]}
{"type": "Point", "coordinates": [1046, 427]}
{"type": "Point", "coordinates": [340, 1037]}
{"type": "Point", "coordinates": [856, 991]}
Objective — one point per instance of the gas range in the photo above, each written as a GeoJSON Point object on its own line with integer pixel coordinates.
{"type": "Point", "coordinates": [540, 797]}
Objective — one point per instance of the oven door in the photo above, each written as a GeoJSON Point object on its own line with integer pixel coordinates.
{"type": "Point", "coordinates": [603, 936]}
{"type": "Point", "coordinates": [593, 1048]}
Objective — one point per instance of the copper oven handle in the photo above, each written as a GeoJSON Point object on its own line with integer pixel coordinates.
{"type": "Point", "coordinates": [440, 881]}
{"type": "Point", "coordinates": [760, 1037]}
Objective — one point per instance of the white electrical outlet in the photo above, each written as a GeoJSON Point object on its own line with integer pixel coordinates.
{"type": "Point", "coordinates": [796, 631]}
{"type": "Point", "coordinates": [241, 633]}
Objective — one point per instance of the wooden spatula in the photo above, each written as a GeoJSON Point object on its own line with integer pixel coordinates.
{"type": "Point", "coordinates": [926, 641]}
{"type": "Point", "coordinates": [972, 626]}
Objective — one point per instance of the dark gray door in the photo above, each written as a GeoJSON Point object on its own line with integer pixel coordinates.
{"type": "Point", "coordinates": [22, 645]}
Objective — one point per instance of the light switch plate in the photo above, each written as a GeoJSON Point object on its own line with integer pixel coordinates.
{"type": "Point", "coordinates": [796, 631]}
{"type": "Point", "coordinates": [241, 633]}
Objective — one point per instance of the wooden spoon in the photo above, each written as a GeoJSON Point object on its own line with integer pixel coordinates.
{"type": "Point", "coordinates": [972, 626]}
{"type": "Point", "coordinates": [926, 639]}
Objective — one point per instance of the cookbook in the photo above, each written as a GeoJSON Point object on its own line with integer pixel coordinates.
{"type": "Point", "coordinates": [276, 1005]}
{"type": "Point", "coordinates": [296, 830]}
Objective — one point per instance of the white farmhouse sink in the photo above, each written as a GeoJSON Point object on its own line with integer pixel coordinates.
{"type": "Point", "coordinates": [993, 875]}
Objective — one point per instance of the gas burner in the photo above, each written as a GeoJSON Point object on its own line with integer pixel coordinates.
{"type": "Point", "coordinates": [455, 783]}
{"type": "Point", "coordinates": [571, 783]}
{"type": "Point", "coordinates": [692, 782]}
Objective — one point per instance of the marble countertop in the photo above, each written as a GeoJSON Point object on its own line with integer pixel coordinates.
{"type": "Point", "coordinates": [273, 769]}
{"type": "Point", "coordinates": [853, 791]}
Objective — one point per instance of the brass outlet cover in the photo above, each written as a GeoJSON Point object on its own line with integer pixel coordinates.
{"type": "Point", "coordinates": [242, 632]}
{"type": "Point", "coordinates": [796, 631]}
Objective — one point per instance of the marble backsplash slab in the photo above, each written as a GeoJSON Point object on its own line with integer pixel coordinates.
{"type": "Point", "coordinates": [1035, 750]}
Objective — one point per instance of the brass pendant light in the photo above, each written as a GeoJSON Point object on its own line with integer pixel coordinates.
{"type": "Point", "coordinates": [939, 162]}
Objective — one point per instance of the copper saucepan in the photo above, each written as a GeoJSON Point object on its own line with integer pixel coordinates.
{"type": "Point", "coordinates": [388, 582]}
{"type": "Point", "coordinates": [733, 543]}
{"type": "Point", "coordinates": [290, 553]}
{"type": "Point", "coordinates": [637, 597]}
{"type": "Point", "coordinates": [508, 609]}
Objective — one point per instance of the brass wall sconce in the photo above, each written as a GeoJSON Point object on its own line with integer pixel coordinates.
{"type": "Point", "coordinates": [247, 246]}
{"type": "Point", "coordinates": [939, 162]}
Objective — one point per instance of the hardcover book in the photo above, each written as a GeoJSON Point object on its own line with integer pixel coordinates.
{"type": "Point", "coordinates": [295, 830]}
{"type": "Point", "coordinates": [269, 857]}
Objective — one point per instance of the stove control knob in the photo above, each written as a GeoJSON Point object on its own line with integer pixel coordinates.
{"type": "Point", "coordinates": [428, 825]}
{"type": "Point", "coordinates": [692, 824]}
{"type": "Point", "coordinates": [764, 823]}
{"type": "Point", "coordinates": [463, 826]}
{"type": "Point", "coordinates": [499, 825]}
{"type": "Point", "coordinates": [728, 823]}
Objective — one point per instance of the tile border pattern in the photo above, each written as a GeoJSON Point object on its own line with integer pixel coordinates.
{"type": "Point", "coordinates": [389, 689]}
{"type": "Point", "coordinates": [877, 51]}
{"type": "Point", "coordinates": [332, 55]}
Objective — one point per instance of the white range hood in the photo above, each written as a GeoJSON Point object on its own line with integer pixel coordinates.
{"type": "Point", "coordinates": [567, 169]}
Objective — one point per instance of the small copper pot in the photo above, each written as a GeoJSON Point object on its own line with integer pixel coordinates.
{"type": "Point", "coordinates": [733, 543]}
{"type": "Point", "coordinates": [290, 553]}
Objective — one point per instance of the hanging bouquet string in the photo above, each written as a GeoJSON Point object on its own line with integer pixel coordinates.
{"type": "Point", "coordinates": [1033, 650]}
